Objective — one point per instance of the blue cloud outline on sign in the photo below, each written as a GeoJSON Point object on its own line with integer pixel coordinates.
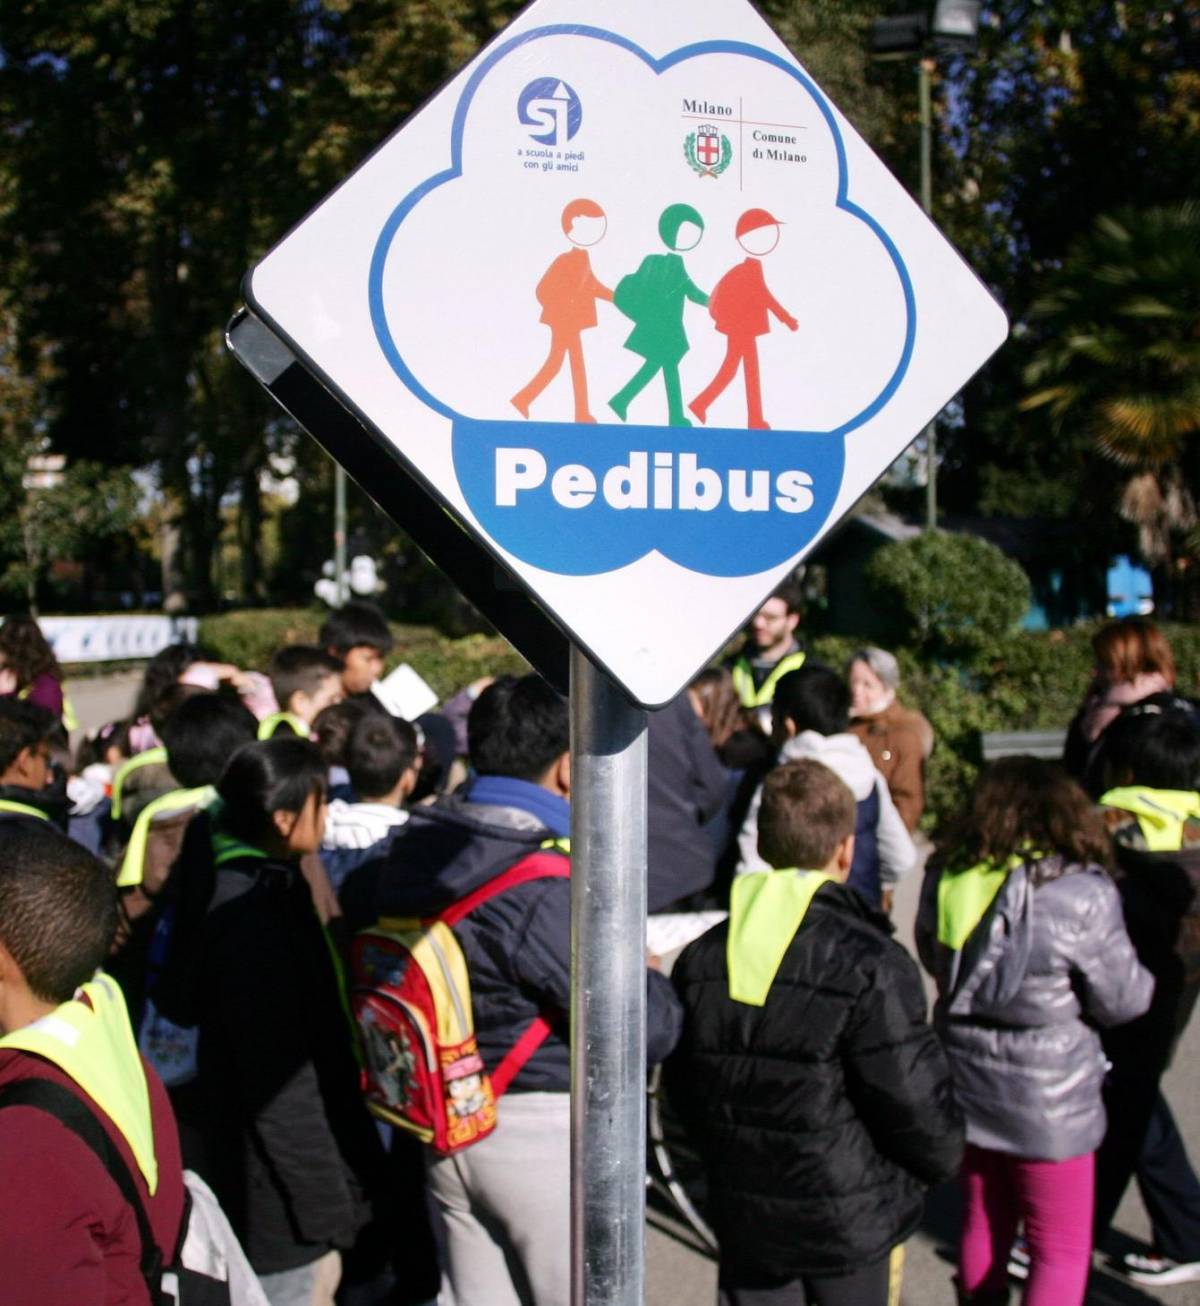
{"type": "Point", "coordinates": [584, 553]}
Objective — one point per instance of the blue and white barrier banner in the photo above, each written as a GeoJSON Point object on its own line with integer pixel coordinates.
{"type": "Point", "coordinates": [115, 639]}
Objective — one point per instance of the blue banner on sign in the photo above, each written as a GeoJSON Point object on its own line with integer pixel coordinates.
{"type": "Point", "coordinates": [580, 500]}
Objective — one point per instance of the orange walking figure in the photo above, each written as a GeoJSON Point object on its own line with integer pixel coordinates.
{"type": "Point", "coordinates": [568, 294]}
{"type": "Point", "coordinates": [739, 307]}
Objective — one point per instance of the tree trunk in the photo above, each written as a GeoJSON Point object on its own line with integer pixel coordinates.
{"type": "Point", "coordinates": [250, 521]}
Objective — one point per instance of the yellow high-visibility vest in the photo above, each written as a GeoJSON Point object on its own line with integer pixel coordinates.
{"type": "Point", "coordinates": [1161, 813]}
{"type": "Point", "coordinates": [94, 1045]}
{"type": "Point", "coordinates": [133, 864]}
{"type": "Point", "coordinates": [22, 809]}
{"type": "Point", "coordinates": [151, 757]}
{"type": "Point", "coordinates": [743, 679]}
{"type": "Point", "coordinates": [270, 724]}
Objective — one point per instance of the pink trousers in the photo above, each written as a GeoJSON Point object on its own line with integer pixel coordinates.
{"type": "Point", "coordinates": [1053, 1199]}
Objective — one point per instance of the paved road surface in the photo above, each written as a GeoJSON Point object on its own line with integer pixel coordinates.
{"type": "Point", "coordinates": [678, 1270]}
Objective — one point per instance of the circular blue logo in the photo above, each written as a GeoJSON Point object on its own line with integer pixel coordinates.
{"type": "Point", "coordinates": [551, 109]}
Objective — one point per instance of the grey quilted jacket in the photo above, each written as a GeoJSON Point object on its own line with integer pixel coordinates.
{"type": "Point", "coordinates": [1019, 1007]}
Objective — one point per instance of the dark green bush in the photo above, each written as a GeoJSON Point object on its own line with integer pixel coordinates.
{"type": "Point", "coordinates": [948, 593]}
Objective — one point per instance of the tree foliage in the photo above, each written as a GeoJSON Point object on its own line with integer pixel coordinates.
{"type": "Point", "coordinates": [948, 593]}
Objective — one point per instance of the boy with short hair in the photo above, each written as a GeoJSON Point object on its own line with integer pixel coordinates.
{"type": "Point", "coordinates": [811, 716]}
{"type": "Point", "coordinates": [25, 733]}
{"type": "Point", "coordinates": [809, 1079]}
{"type": "Point", "coordinates": [380, 756]}
{"type": "Point", "coordinates": [305, 680]}
{"type": "Point", "coordinates": [66, 1232]}
{"type": "Point", "coordinates": [358, 634]}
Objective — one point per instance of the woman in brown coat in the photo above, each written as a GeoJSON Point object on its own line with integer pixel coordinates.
{"type": "Point", "coordinates": [898, 739]}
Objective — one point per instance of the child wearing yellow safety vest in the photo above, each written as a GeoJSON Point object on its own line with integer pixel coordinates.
{"type": "Point", "coordinates": [305, 681]}
{"type": "Point", "coordinates": [66, 1232]}
{"type": "Point", "coordinates": [200, 737]}
{"type": "Point", "coordinates": [26, 792]}
{"type": "Point", "coordinates": [807, 1075]}
{"type": "Point", "coordinates": [1021, 927]}
{"type": "Point", "coordinates": [1152, 810]}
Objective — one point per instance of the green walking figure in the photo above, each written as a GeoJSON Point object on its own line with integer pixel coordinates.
{"type": "Point", "coordinates": [653, 298]}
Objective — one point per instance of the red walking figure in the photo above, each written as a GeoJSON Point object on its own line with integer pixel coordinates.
{"type": "Point", "coordinates": [568, 294]}
{"type": "Point", "coordinates": [739, 307]}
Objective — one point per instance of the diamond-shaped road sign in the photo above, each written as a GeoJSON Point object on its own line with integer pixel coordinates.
{"type": "Point", "coordinates": [640, 308]}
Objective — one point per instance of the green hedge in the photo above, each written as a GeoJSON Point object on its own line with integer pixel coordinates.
{"type": "Point", "coordinates": [1025, 681]}
{"type": "Point", "coordinates": [249, 638]}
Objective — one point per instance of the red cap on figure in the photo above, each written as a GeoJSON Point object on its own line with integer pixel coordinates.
{"type": "Point", "coordinates": [752, 219]}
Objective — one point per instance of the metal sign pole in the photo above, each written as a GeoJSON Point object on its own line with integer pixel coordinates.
{"type": "Point", "coordinates": [608, 991]}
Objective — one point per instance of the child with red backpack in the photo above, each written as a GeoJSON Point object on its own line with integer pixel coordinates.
{"type": "Point", "coordinates": [503, 1192]}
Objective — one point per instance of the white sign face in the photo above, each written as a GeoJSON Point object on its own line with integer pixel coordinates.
{"type": "Point", "coordinates": [639, 305]}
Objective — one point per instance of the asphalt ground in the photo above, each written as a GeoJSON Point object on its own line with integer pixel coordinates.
{"type": "Point", "coordinates": [679, 1269]}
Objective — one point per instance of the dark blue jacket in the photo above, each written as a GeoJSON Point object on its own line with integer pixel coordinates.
{"type": "Point", "coordinates": [864, 870]}
{"type": "Point", "coordinates": [517, 945]}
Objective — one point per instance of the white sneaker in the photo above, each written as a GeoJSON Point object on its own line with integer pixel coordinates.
{"type": "Point", "coordinates": [1018, 1259]}
{"type": "Point", "coordinates": [1158, 1269]}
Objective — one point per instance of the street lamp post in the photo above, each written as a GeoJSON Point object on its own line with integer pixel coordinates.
{"type": "Point", "coordinates": [925, 67]}
{"type": "Point", "coordinates": [339, 534]}
{"type": "Point", "coordinates": [952, 25]}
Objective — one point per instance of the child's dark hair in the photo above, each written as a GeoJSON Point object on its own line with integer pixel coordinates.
{"type": "Point", "coordinates": [806, 812]}
{"type": "Point", "coordinates": [93, 747]}
{"type": "Point", "coordinates": [378, 752]}
{"type": "Point", "coordinates": [814, 697]}
{"type": "Point", "coordinates": [23, 725]}
{"type": "Point", "coordinates": [354, 625]}
{"type": "Point", "coordinates": [273, 775]}
{"type": "Point", "coordinates": [1024, 805]}
{"type": "Point", "coordinates": [333, 726]}
{"type": "Point", "coordinates": [58, 908]}
{"type": "Point", "coordinates": [1160, 750]}
{"type": "Point", "coordinates": [300, 669]}
{"type": "Point", "coordinates": [517, 728]}
{"type": "Point", "coordinates": [202, 734]}
{"type": "Point", "coordinates": [26, 652]}
{"type": "Point", "coordinates": [169, 702]}
{"type": "Point", "coordinates": [162, 671]}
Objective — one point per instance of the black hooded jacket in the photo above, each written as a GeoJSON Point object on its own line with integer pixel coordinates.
{"type": "Point", "coordinates": [288, 1145]}
{"type": "Point", "coordinates": [516, 945]}
{"type": "Point", "coordinates": [821, 1116]}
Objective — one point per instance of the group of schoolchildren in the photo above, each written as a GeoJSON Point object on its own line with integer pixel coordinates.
{"type": "Point", "coordinates": [254, 826]}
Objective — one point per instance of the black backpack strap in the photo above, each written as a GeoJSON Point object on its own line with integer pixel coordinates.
{"type": "Point", "coordinates": [71, 1112]}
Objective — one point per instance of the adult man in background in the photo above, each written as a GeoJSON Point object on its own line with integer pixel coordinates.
{"type": "Point", "coordinates": [771, 650]}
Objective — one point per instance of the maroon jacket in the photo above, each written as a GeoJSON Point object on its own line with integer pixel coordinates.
{"type": "Point", "coordinates": [66, 1233]}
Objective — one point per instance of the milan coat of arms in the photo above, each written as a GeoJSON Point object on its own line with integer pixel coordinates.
{"type": "Point", "coordinates": [708, 151]}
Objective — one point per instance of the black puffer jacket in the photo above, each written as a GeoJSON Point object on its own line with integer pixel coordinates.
{"type": "Point", "coordinates": [822, 1115]}
{"type": "Point", "coordinates": [1160, 895]}
{"type": "Point", "coordinates": [517, 945]}
{"type": "Point", "coordinates": [289, 1146]}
